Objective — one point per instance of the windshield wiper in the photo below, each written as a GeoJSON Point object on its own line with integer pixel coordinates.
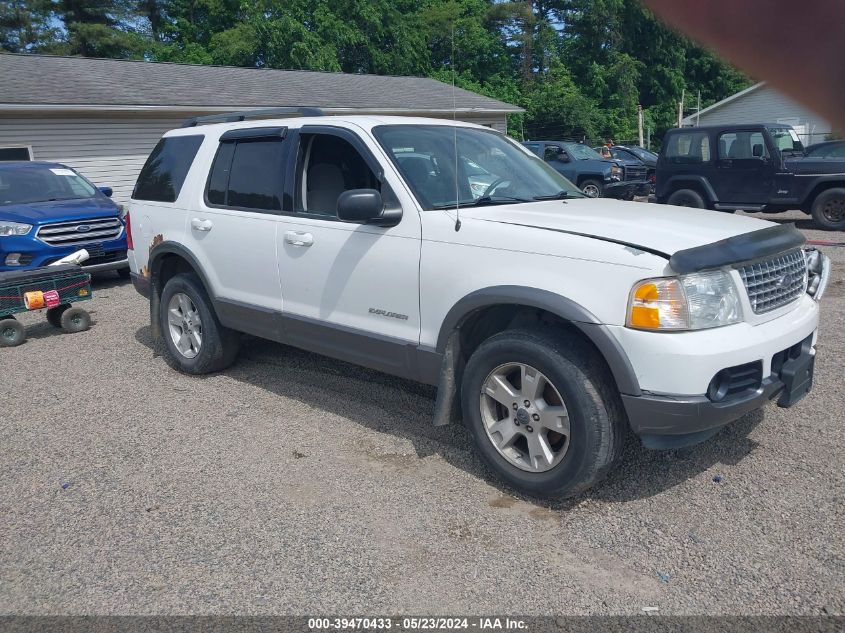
{"type": "Point", "coordinates": [563, 194]}
{"type": "Point", "coordinates": [483, 200]}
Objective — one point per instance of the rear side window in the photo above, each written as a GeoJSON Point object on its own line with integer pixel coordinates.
{"type": "Point", "coordinates": [686, 148]}
{"type": "Point", "coordinates": [164, 173]}
{"type": "Point", "coordinates": [247, 174]}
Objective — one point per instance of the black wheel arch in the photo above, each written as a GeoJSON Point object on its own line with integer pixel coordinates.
{"type": "Point", "coordinates": [487, 311]}
{"type": "Point", "coordinates": [698, 184]}
{"type": "Point", "coordinates": [166, 260]}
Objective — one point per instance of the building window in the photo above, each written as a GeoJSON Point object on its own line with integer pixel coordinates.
{"type": "Point", "coordinates": [15, 153]}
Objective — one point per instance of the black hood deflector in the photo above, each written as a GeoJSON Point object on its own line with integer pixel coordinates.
{"type": "Point", "coordinates": [739, 248]}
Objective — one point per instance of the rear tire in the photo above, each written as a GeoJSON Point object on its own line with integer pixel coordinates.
{"type": "Point", "coordinates": [194, 340]}
{"type": "Point", "coordinates": [75, 320]}
{"type": "Point", "coordinates": [576, 393]}
{"type": "Point", "coordinates": [829, 209]}
{"type": "Point", "coordinates": [12, 332]}
{"type": "Point", "coordinates": [54, 315]}
{"type": "Point", "coordinates": [687, 198]}
{"type": "Point", "coordinates": [592, 188]}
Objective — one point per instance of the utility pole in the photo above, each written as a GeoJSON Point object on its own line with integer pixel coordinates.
{"type": "Point", "coordinates": [640, 123]}
{"type": "Point", "coordinates": [698, 110]}
{"type": "Point", "coordinates": [681, 109]}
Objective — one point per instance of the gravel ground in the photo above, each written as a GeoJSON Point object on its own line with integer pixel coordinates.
{"type": "Point", "coordinates": [294, 484]}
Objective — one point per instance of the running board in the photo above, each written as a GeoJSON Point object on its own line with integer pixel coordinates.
{"type": "Point", "coordinates": [739, 207]}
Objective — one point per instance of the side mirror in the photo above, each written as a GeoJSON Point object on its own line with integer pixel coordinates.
{"type": "Point", "coordinates": [106, 191]}
{"type": "Point", "coordinates": [757, 150]}
{"type": "Point", "coordinates": [366, 206]}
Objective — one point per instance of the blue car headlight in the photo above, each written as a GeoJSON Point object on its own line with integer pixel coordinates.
{"type": "Point", "coordinates": [8, 229]}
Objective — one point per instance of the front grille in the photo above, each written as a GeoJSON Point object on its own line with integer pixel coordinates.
{"type": "Point", "coordinates": [635, 172]}
{"type": "Point", "coordinates": [774, 283]}
{"type": "Point", "coordinates": [80, 232]}
{"type": "Point", "coordinates": [735, 381]}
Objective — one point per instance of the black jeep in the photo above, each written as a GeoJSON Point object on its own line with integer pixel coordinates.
{"type": "Point", "coordinates": [756, 167]}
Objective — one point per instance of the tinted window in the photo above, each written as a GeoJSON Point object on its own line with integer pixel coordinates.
{"type": "Point", "coordinates": [164, 172]}
{"type": "Point", "coordinates": [247, 174]}
{"type": "Point", "coordinates": [14, 153]}
{"type": "Point", "coordinates": [688, 148]}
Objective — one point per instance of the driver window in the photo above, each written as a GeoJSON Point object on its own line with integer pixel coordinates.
{"type": "Point", "coordinates": [554, 152]}
{"type": "Point", "coordinates": [327, 166]}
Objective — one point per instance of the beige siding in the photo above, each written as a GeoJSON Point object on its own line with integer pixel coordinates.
{"type": "Point", "coordinates": [767, 105]}
{"type": "Point", "coordinates": [107, 151]}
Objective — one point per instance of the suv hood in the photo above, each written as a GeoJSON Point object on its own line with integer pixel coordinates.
{"type": "Point", "coordinates": [59, 210]}
{"type": "Point", "coordinates": [660, 229]}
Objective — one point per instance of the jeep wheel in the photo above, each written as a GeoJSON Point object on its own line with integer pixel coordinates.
{"type": "Point", "coordinates": [829, 209]}
{"type": "Point", "coordinates": [195, 341]}
{"type": "Point", "coordinates": [543, 412]}
{"type": "Point", "coordinates": [687, 198]}
{"type": "Point", "coordinates": [592, 188]}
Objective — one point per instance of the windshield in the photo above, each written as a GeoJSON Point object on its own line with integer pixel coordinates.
{"type": "Point", "coordinates": [582, 152]}
{"type": "Point", "coordinates": [490, 167]}
{"type": "Point", "coordinates": [643, 153]}
{"type": "Point", "coordinates": [786, 139]}
{"type": "Point", "coordinates": [39, 183]}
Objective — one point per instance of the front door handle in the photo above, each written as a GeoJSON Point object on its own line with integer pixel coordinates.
{"type": "Point", "coordinates": [295, 238]}
{"type": "Point", "coordinates": [201, 225]}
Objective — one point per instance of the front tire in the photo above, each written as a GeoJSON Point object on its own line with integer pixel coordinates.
{"type": "Point", "coordinates": [592, 188]}
{"type": "Point", "coordinates": [75, 320]}
{"type": "Point", "coordinates": [687, 198]}
{"type": "Point", "coordinates": [543, 411]}
{"type": "Point", "coordinates": [195, 341]}
{"type": "Point", "coordinates": [829, 209]}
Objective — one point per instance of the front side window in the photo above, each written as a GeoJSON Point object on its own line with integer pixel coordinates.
{"type": "Point", "coordinates": [687, 148]}
{"type": "Point", "coordinates": [164, 173]}
{"type": "Point", "coordinates": [425, 156]}
{"type": "Point", "coordinates": [742, 145]}
{"type": "Point", "coordinates": [41, 183]}
{"type": "Point", "coordinates": [327, 166]}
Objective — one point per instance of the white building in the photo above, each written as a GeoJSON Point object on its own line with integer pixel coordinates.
{"type": "Point", "coordinates": [104, 116]}
{"type": "Point", "coordinates": [761, 103]}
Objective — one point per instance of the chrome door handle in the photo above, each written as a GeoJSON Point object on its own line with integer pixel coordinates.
{"type": "Point", "coordinates": [294, 238]}
{"type": "Point", "coordinates": [201, 225]}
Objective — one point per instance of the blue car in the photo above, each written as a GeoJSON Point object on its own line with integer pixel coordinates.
{"type": "Point", "coordinates": [48, 211]}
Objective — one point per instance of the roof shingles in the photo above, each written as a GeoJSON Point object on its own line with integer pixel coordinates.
{"type": "Point", "coordinates": [78, 81]}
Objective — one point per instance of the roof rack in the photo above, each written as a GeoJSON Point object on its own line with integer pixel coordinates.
{"type": "Point", "coordinates": [231, 117]}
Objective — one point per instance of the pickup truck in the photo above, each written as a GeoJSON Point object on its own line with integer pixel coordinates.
{"type": "Point", "coordinates": [549, 321]}
{"type": "Point", "coordinates": [754, 167]}
{"type": "Point", "coordinates": [594, 175]}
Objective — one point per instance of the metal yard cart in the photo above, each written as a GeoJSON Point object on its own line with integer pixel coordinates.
{"type": "Point", "coordinates": [52, 287]}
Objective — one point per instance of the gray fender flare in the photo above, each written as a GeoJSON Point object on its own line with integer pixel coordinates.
{"type": "Point", "coordinates": [586, 322]}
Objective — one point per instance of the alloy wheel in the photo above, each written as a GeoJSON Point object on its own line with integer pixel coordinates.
{"type": "Point", "coordinates": [525, 417]}
{"type": "Point", "coordinates": [184, 324]}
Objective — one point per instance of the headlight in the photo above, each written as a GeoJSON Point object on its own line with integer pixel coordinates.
{"type": "Point", "coordinates": [616, 170]}
{"type": "Point", "coordinates": [14, 228]}
{"type": "Point", "coordinates": [689, 302]}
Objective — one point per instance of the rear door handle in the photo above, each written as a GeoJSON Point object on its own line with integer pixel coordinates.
{"type": "Point", "coordinates": [201, 225]}
{"type": "Point", "coordinates": [295, 238]}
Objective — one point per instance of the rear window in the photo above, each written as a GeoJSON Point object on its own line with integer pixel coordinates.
{"type": "Point", "coordinates": [687, 148]}
{"type": "Point", "coordinates": [247, 174]}
{"type": "Point", "coordinates": [164, 173]}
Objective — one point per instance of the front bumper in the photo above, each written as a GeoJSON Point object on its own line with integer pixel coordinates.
{"type": "Point", "coordinates": [626, 189]}
{"type": "Point", "coordinates": [106, 255]}
{"type": "Point", "coordinates": [673, 421]}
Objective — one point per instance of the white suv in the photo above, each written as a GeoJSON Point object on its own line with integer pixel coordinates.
{"type": "Point", "coordinates": [548, 321]}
